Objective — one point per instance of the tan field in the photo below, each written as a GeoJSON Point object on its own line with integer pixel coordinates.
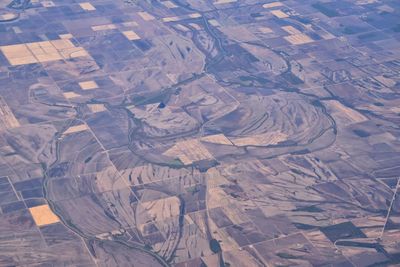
{"type": "Point", "coordinates": [162, 209]}
{"type": "Point", "coordinates": [273, 4]}
{"type": "Point", "coordinates": [169, 4]}
{"type": "Point", "coordinates": [97, 107]}
{"type": "Point", "coordinates": [104, 27]}
{"type": "Point", "coordinates": [291, 30]}
{"type": "Point", "coordinates": [42, 215]}
{"type": "Point", "coordinates": [131, 35]}
{"type": "Point", "coordinates": [88, 85]}
{"type": "Point", "coordinates": [66, 36]}
{"type": "Point", "coordinates": [217, 139]}
{"type": "Point", "coordinates": [266, 139]}
{"type": "Point", "coordinates": [7, 117]}
{"type": "Point", "coordinates": [29, 53]}
{"type": "Point", "coordinates": [297, 39]}
{"type": "Point", "coordinates": [87, 6]}
{"type": "Point", "coordinates": [347, 115]}
{"type": "Point", "coordinates": [189, 151]}
{"type": "Point", "coordinates": [279, 14]}
{"type": "Point", "coordinates": [76, 128]}
{"type": "Point", "coordinates": [69, 95]}
{"type": "Point", "coordinates": [145, 16]}
{"type": "Point", "coordinates": [219, 2]}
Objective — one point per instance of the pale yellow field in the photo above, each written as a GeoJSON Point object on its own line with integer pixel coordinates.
{"type": "Point", "coordinates": [219, 2]}
{"type": "Point", "coordinates": [66, 36]}
{"type": "Point", "coordinates": [7, 16]}
{"type": "Point", "coordinates": [131, 35]}
{"type": "Point", "coordinates": [145, 16]}
{"type": "Point", "coordinates": [265, 139]}
{"type": "Point", "coordinates": [76, 128]}
{"type": "Point", "coordinates": [47, 3]}
{"type": "Point", "coordinates": [189, 151]}
{"type": "Point", "coordinates": [169, 4]}
{"type": "Point", "coordinates": [69, 95]}
{"type": "Point", "coordinates": [217, 139]}
{"type": "Point", "coordinates": [297, 39]}
{"type": "Point", "coordinates": [291, 30]}
{"type": "Point", "coordinates": [194, 15]}
{"type": "Point", "coordinates": [28, 53]}
{"type": "Point", "coordinates": [87, 6]}
{"type": "Point", "coordinates": [347, 115]}
{"type": "Point", "coordinates": [265, 30]}
{"type": "Point", "coordinates": [279, 14]}
{"type": "Point", "coordinates": [273, 4]}
{"type": "Point", "coordinates": [214, 22]}
{"type": "Point", "coordinates": [130, 24]}
{"type": "Point", "coordinates": [88, 85]}
{"type": "Point", "coordinates": [96, 107]}
{"type": "Point", "coordinates": [162, 209]}
{"type": "Point", "coordinates": [170, 19]}
{"type": "Point", "coordinates": [104, 27]}
{"type": "Point", "coordinates": [42, 215]}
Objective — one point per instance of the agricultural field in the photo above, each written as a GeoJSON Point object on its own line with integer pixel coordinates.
{"type": "Point", "coordinates": [199, 133]}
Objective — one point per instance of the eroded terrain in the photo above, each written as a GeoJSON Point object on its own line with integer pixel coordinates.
{"type": "Point", "coordinates": [199, 133]}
